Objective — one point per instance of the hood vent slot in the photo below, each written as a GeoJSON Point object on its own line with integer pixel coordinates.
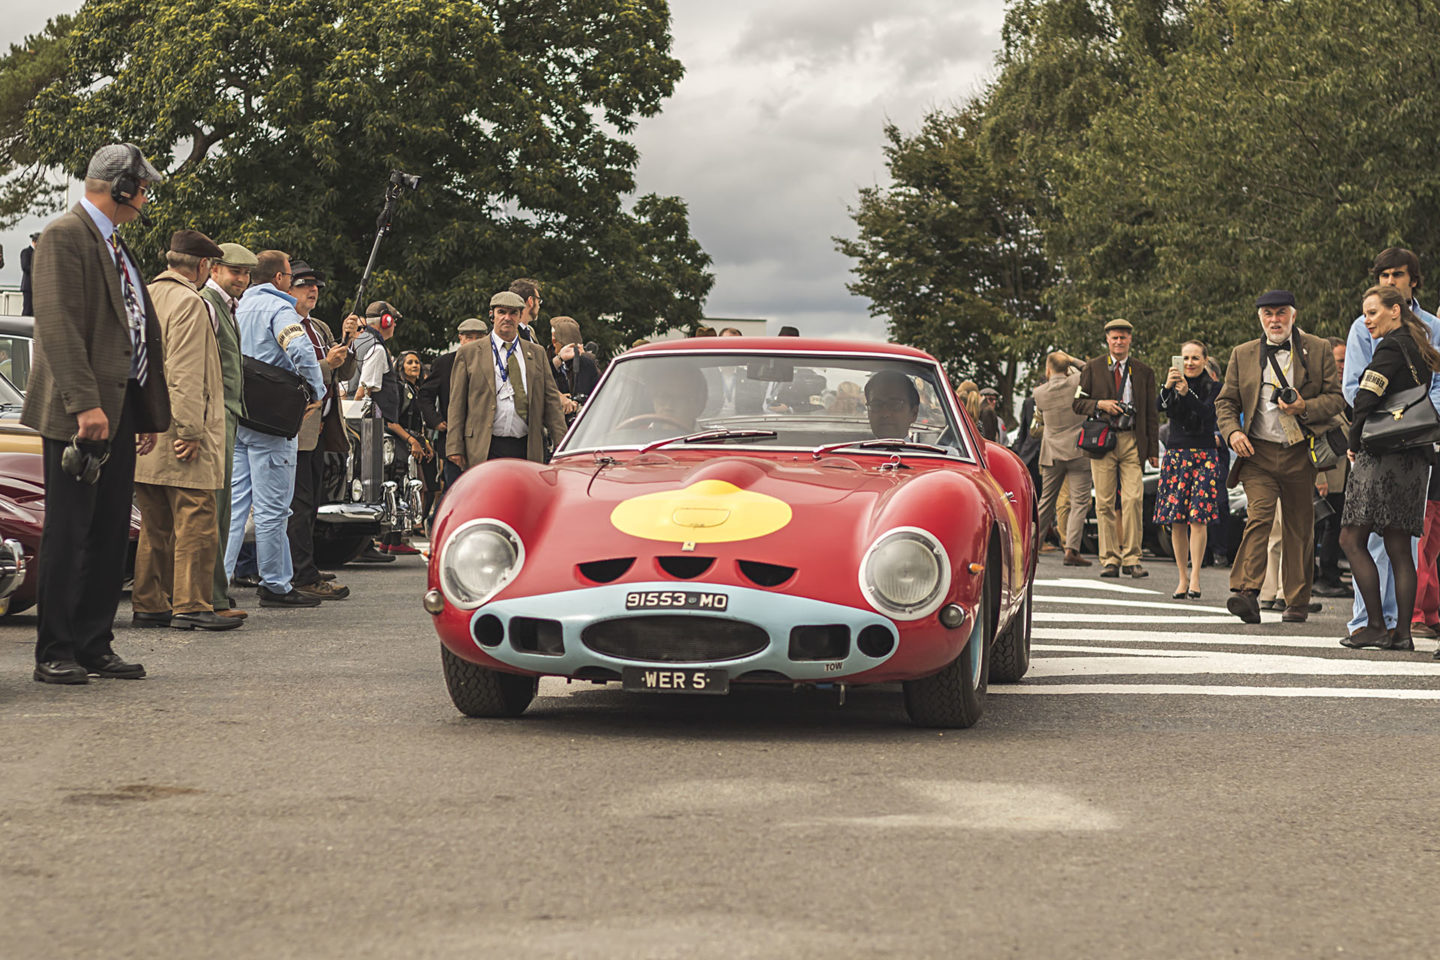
{"type": "Point", "coordinates": [766, 574]}
{"type": "Point", "coordinates": [685, 568]}
{"type": "Point", "coordinates": [605, 571]}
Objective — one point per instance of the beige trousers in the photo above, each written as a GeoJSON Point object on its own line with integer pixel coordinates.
{"type": "Point", "coordinates": [1073, 478]}
{"type": "Point", "coordinates": [175, 559]}
{"type": "Point", "coordinates": [1119, 471]}
{"type": "Point", "coordinates": [1278, 475]}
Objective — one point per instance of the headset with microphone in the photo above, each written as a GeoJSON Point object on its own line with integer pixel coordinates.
{"type": "Point", "coordinates": [126, 185]}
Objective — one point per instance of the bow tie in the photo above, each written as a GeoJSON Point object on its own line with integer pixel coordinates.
{"type": "Point", "coordinates": [1273, 348]}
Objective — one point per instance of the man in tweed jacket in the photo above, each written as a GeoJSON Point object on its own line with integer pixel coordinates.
{"type": "Point", "coordinates": [97, 377]}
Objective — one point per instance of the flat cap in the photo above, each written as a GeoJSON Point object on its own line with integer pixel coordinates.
{"type": "Point", "coordinates": [234, 255]}
{"type": "Point", "coordinates": [114, 159]}
{"type": "Point", "coordinates": [195, 243]}
{"type": "Point", "coordinates": [1275, 298]}
{"type": "Point", "coordinates": [473, 325]}
{"type": "Point", "coordinates": [507, 299]}
{"type": "Point", "coordinates": [304, 275]}
{"type": "Point", "coordinates": [989, 392]}
{"type": "Point", "coordinates": [1119, 323]}
{"type": "Point", "coordinates": [379, 308]}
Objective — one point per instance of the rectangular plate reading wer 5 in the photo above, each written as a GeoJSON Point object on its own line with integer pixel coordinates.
{"type": "Point", "coordinates": [673, 680]}
{"type": "Point", "coordinates": [675, 600]}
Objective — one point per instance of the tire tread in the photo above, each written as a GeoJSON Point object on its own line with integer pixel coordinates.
{"type": "Point", "coordinates": [478, 691]}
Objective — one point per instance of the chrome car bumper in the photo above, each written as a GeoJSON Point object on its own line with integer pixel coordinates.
{"type": "Point", "coordinates": [12, 567]}
{"type": "Point", "coordinates": [761, 633]}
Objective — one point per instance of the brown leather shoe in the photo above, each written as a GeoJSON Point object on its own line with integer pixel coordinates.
{"type": "Point", "coordinates": [1073, 559]}
{"type": "Point", "coordinates": [1423, 630]}
{"type": "Point", "coordinates": [1295, 614]}
{"type": "Point", "coordinates": [232, 614]}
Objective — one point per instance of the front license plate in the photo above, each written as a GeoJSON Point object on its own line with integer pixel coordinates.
{"type": "Point", "coordinates": [673, 680]}
{"type": "Point", "coordinates": [675, 600]}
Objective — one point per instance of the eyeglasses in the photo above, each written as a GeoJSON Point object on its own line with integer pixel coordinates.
{"type": "Point", "coordinates": [890, 404]}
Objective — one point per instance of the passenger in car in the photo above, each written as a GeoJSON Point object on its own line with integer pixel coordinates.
{"type": "Point", "coordinates": [891, 401]}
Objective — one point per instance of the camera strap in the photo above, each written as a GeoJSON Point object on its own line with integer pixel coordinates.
{"type": "Point", "coordinates": [1275, 365]}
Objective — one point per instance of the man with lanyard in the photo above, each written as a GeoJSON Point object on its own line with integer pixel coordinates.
{"type": "Point", "coordinates": [1105, 384]}
{"type": "Point", "coordinates": [503, 398]}
{"type": "Point", "coordinates": [229, 278]}
{"type": "Point", "coordinates": [322, 431]}
{"type": "Point", "coordinates": [1277, 387]}
{"type": "Point", "coordinates": [264, 477]}
{"type": "Point", "coordinates": [1399, 268]}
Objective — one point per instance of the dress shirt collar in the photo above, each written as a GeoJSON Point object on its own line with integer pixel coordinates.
{"type": "Point", "coordinates": [106, 225]}
{"type": "Point", "coordinates": [268, 288]}
{"type": "Point", "coordinates": [225, 294]}
{"type": "Point", "coordinates": [501, 345]}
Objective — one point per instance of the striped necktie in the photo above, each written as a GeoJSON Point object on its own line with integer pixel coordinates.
{"type": "Point", "coordinates": [135, 311]}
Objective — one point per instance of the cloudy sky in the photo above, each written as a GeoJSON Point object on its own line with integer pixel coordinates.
{"type": "Point", "coordinates": [773, 130]}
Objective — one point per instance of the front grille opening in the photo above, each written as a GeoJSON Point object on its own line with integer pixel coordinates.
{"type": "Point", "coordinates": [766, 574]}
{"type": "Point", "coordinates": [762, 676]}
{"type": "Point", "coordinates": [830, 641]}
{"type": "Point", "coordinates": [533, 635]}
{"type": "Point", "coordinates": [489, 631]}
{"type": "Point", "coordinates": [685, 568]}
{"type": "Point", "coordinates": [597, 674]}
{"type": "Point", "coordinates": [675, 639]}
{"type": "Point", "coordinates": [605, 571]}
{"type": "Point", "coordinates": [875, 641]}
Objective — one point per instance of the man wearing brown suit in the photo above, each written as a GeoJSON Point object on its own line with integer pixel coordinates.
{"type": "Point", "coordinates": [503, 397]}
{"type": "Point", "coordinates": [1122, 389]}
{"type": "Point", "coordinates": [98, 377]}
{"type": "Point", "coordinates": [1277, 388]}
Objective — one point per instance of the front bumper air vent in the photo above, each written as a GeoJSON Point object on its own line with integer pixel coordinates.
{"type": "Point", "coordinates": [675, 639]}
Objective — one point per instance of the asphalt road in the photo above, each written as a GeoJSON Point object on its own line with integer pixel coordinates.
{"type": "Point", "coordinates": [1168, 783]}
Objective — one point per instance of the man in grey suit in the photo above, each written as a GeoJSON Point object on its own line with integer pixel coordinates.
{"type": "Point", "coordinates": [503, 397]}
{"type": "Point", "coordinates": [97, 395]}
{"type": "Point", "coordinates": [1061, 461]}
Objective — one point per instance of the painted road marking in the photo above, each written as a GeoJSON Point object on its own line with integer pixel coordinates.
{"type": "Point", "coordinates": [1181, 689]}
{"type": "Point", "coordinates": [1142, 604]}
{"type": "Point", "coordinates": [1083, 635]}
{"type": "Point", "coordinates": [1135, 662]}
{"type": "Point", "coordinates": [1149, 620]}
{"type": "Point", "coordinates": [1074, 583]}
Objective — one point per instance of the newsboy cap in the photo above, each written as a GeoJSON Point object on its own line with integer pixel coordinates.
{"type": "Point", "coordinates": [234, 255]}
{"type": "Point", "coordinates": [379, 308]}
{"type": "Point", "coordinates": [507, 299]}
{"type": "Point", "coordinates": [472, 325]}
{"type": "Point", "coordinates": [114, 159]}
{"type": "Point", "coordinates": [195, 243]}
{"type": "Point", "coordinates": [1119, 323]}
{"type": "Point", "coordinates": [304, 275]}
{"type": "Point", "coordinates": [1275, 298]}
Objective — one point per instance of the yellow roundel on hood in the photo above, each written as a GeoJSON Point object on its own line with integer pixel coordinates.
{"type": "Point", "coordinates": [711, 511]}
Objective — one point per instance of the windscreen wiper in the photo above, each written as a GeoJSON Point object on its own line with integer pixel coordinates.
{"type": "Point", "coordinates": [711, 436]}
{"type": "Point", "coordinates": [893, 443]}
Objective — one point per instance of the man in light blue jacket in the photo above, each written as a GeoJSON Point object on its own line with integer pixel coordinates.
{"type": "Point", "coordinates": [1400, 268]}
{"type": "Point", "coordinates": [264, 468]}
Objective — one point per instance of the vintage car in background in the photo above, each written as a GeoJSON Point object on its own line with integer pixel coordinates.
{"type": "Point", "coordinates": [17, 348]}
{"type": "Point", "coordinates": [727, 512]}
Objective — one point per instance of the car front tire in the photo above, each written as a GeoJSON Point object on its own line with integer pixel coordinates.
{"type": "Point", "coordinates": [954, 698]}
{"type": "Point", "coordinates": [1010, 656]}
{"type": "Point", "coordinates": [478, 691]}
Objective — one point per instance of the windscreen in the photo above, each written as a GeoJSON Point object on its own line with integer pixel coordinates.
{"type": "Point", "coordinates": [807, 401]}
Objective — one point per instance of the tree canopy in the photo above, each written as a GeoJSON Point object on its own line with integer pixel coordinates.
{"type": "Point", "coordinates": [1171, 159]}
{"type": "Point", "coordinates": [277, 124]}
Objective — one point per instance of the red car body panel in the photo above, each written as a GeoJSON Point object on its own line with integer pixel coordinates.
{"type": "Point", "coordinates": [840, 505]}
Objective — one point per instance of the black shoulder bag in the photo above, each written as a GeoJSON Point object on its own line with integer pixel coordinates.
{"type": "Point", "coordinates": [275, 399]}
{"type": "Point", "coordinates": [1097, 433]}
{"type": "Point", "coordinates": [1404, 420]}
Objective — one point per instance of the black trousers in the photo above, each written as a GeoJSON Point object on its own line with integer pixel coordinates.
{"type": "Point", "coordinates": [1328, 538]}
{"type": "Point", "coordinates": [83, 547]}
{"type": "Point", "coordinates": [512, 448]}
{"type": "Point", "coordinates": [304, 507]}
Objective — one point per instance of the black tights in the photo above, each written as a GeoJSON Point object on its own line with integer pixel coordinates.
{"type": "Point", "coordinates": [1355, 541]}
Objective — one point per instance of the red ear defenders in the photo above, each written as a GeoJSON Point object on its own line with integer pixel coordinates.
{"type": "Point", "coordinates": [387, 320]}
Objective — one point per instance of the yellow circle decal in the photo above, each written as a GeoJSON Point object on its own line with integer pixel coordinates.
{"type": "Point", "coordinates": [711, 511]}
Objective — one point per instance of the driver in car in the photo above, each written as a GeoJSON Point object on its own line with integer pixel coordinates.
{"type": "Point", "coordinates": [677, 395]}
{"type": "Point", "coordinates": [892, 403]}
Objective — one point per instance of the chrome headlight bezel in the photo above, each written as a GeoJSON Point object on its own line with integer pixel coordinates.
{"type": "Point", "coordinates": [467, 596]}
{"type": "Point", "coordinates": [933, 599]}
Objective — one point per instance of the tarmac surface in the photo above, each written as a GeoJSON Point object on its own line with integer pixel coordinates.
{"type": "Point", "coordinates": [1167, 782]}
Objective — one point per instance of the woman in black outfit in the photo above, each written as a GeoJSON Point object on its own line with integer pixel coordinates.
{"type": "Point", "coordinates": [1188, 494]}
{"type": "Point", "coordinates": [415, 418]}
{"type": "Point", "coordinates": [1386, 492]}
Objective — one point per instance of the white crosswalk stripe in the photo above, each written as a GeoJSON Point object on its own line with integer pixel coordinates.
{"type": "Point", "coordinates": [1093, 637]}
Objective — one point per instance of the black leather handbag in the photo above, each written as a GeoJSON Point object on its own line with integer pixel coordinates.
{"type": "Point", "coordinates": [1097, 437]}
{"type": "Point", "coordinates": [275, 399]}
{"type": "Point", "coordinates": [1403, 421]}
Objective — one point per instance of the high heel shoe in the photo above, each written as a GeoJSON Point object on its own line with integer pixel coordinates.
{"type": "Point", "coordinates": [1193, 594]}
{"type": "Point", "coordinates": [1178, 596]}
{"type": "Point", "coordinates": [1367, 636]}
{"type": "Point", "coordinates": [1397, 642]}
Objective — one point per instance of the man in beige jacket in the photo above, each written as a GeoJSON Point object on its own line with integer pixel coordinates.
{"type": "Point", "coordinates": [175, 482]}
{"type": "Point", "coordinates": [1062, 462]}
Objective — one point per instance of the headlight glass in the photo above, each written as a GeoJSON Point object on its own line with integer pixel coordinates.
{"type": "Point", "coordinates": [478, 560]}
{"type": "Point", "coordinates": [905, 574]}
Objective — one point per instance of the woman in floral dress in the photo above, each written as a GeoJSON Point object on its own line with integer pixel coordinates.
{"type": "Point", "coordinates": [1189, 492]}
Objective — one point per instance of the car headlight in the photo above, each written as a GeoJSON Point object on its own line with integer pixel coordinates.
{"type": "Point", "coordinates": [905, 573]}
{"type": "Point", "coordinates": [389, 451]}
{"type": "Point", "coordinates": [478, 560]}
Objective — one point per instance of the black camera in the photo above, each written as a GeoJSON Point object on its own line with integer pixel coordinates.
{"type": "Point", "coordinates": [402, 179]}
{"type": "Point", "coordinates": [1287, 395]}
{"type": "Point", "coordinates": [1125, 419]}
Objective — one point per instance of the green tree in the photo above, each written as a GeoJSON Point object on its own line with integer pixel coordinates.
{"type": "Point", "coordinates": [949, 252]}
{"type": "Point", "coordinates": [280, 122]}
{"type": "Point", "coordinates": [27, 69]}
